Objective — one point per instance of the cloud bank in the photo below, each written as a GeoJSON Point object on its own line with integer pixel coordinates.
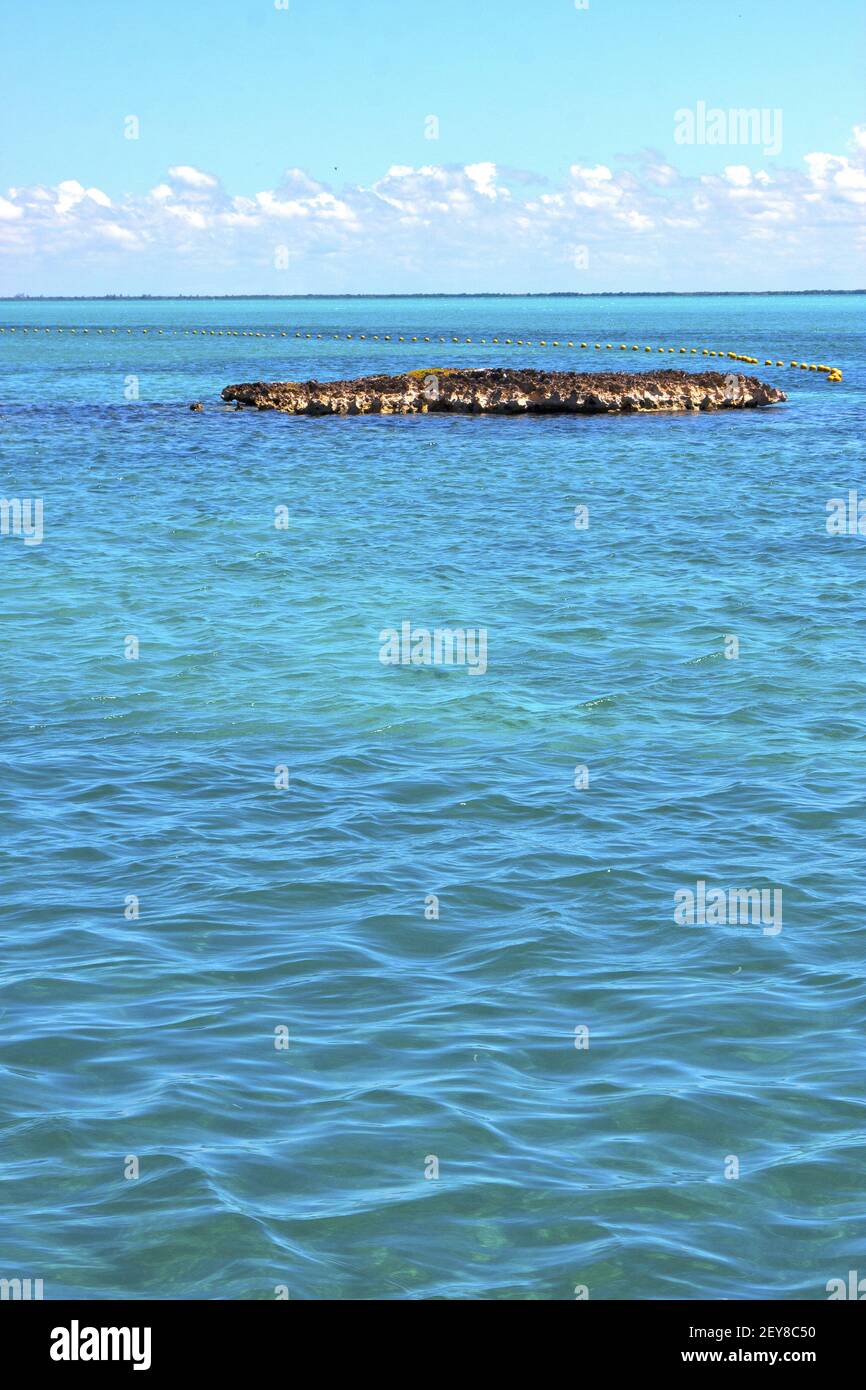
{"type": "Point", "coordinates": [640, 225]}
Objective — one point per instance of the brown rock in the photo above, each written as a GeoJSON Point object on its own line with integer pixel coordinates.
{"type": "Point", "coordinates": [507, 391]}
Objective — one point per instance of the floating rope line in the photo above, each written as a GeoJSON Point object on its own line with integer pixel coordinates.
{"type": "Point", "coordinates": [831, 373]}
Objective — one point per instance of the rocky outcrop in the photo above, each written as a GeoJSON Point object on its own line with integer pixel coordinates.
{"type": "Point", "coordinates": [506, 392]}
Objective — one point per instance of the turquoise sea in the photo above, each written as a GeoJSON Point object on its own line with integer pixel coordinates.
{"type": "Point", "coordinates": [614, 1101]}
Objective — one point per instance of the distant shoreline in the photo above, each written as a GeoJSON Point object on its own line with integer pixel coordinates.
{"type": "Point", "coordinates": [482, 294]}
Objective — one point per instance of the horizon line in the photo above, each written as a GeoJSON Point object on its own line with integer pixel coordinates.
{"type": "Point", "coordinates": [429, 294]}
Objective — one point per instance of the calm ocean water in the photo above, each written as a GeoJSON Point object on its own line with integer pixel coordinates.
{"type": "Point", "coordinates": [154, 1043]}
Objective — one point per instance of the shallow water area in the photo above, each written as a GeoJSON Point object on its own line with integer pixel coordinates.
{"type": "Point", "coordinates": [170, 908]}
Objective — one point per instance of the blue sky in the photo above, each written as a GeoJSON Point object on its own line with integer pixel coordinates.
{"type": "Point", "coordinates": [234, 93]}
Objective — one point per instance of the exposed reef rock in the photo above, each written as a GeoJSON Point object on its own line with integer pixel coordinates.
{"type": "Point", "coordinates": [507, 392]}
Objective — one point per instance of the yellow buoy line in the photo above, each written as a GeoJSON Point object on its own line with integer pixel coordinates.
{"type": "Point", "coordinates": [831, 373]}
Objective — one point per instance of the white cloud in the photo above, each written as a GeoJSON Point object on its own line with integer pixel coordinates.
{"type": "Point", "coordinates": [850, 182]}
{"type": "Point", "coordinates": [638, 221]}
{"type": "Point", "coordinates": [596, 177]}
{"type": "Point", "coordinates": [191, 216]}
{"type": "Point", "coordinates": [836, 174]}
{"type": "Point", "coordinates": [482, 176]}
{"type": "Point", "coordinates": [322, 204]}
{"type": "Point", "coordinates": [112, 232]}
{"type": "Point", "coordinates": [663, 174]}
{"type": "Point", "coordinates": [739, 175]}
{"type": "Point", "coordinates": [70, 193]}
{"type": "Point", "coordinates": [192, 178]}
{"type": "Point", "coordinates": [643, 223]}
{"type": "Point", "coordinates": [596, 187]}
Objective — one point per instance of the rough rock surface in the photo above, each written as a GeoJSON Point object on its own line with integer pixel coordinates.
{"type": "Point", "coordinates": [508, 392]}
